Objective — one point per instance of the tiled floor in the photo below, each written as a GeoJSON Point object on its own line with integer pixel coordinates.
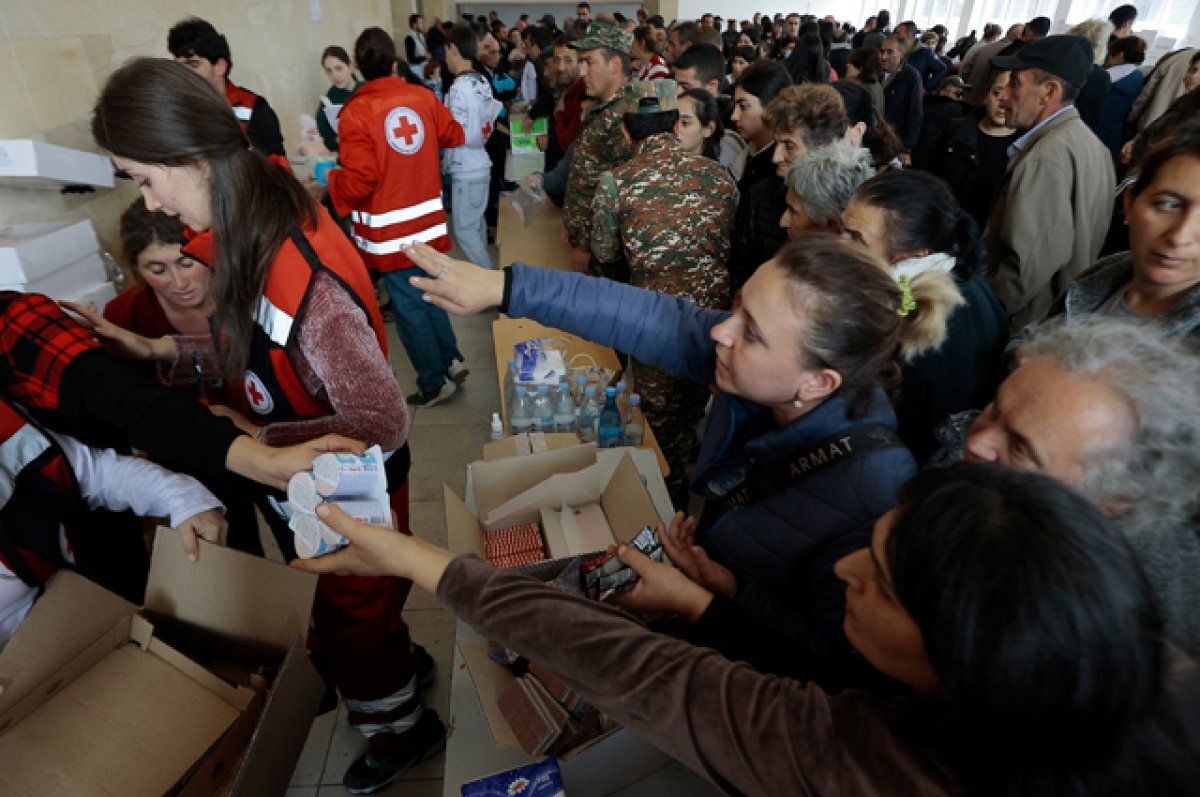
{"type": "Point", "coordinates": [443, 440]}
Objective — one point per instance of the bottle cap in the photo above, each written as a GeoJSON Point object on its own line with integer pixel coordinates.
{"type": "Point", "coordinates": [621, 386]}
{"type": "Point", "coordinates": [544, 390]}
{"type": "Point", "coordinates": [581, 380]}
{"type": "Point", "coordinates": [495, 417]}
{"type": "Point", "coordinates": [591, 390]}
{"type": "Point", "coordinates": [611, 392]}
{"type": "Point", "coordinates": [521, 390]}
{"type": "Point", "coordinates": [635, 398]}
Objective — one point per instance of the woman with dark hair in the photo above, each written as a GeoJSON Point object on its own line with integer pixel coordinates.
{"type": "Point", "coordinates": [741, 58]}
{"type": "Point", "coordinates": [912, 222]}
{"type": "Point", "coordinates": [807, 63]}
{"type": "Point", "coordinates": [340, 71]}
{"type": "Point", "coordinates": [1159, 277]}
{"type": "Point", "coordinates": [802, 363]}
{"type": "Point", "coordinates": [760, 83]}
{"type": "Point", "coordinates": [699, 129]}
{"type": "Point", "coordinates": [865, 69]}
{"type": "Point", "coordinates": [1013, 611]}
{"type": "Point", "coordinates": [298, 339]}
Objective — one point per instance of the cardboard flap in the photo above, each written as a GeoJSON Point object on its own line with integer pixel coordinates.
{"type": "Point", "coordinates": [496, 482]}
{"type": "Point", "coordinates": [490, 682]}
{"type": "Point", "coordinates": [463, 533]}
{"type": "Point", "coordinates": [229, 593]}
{"type": "Point", "coordinates": [115, 730]}
{"type": "Point", "coordinates": [572, 489]}
{"type": "Point", "coordinates": [524, 444]}
{"type": "Point", "coordinates": [72, 616]}
{"type": "Point", "coordinates": [586, 530]}
{"type": "Point", "coordinates": [626, 502]}
{"type": "Point", "coordinates": [280, 735]}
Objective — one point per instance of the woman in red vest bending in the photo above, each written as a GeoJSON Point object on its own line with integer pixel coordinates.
{"type": "Point", "coordinates": [298, 339]}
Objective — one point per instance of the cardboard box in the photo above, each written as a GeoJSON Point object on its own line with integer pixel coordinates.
{"type": "Point", "coordinates": [83, 273]}
{"type": "Point", "coordinates": [206, 690]}
{"type": "Point", "coordinates": [520, 445]}
{"type": "Point", "coordinates": [31, 251]}
{"type": "Point", "coordinates": [25, 163]}
{"type": "Point", "coordinates": [94, 297]}
{"type": "Point", "coordinates": [583, 505]}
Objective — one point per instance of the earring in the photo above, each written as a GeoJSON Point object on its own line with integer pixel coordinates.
{"type": "Point", "coordinates": [798, 404]}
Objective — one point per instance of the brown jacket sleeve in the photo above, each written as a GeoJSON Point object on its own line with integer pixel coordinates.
{"type": "Point", "coordinates": [747, 732]}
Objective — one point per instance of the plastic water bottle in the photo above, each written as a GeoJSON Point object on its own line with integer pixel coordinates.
{"type": "Point", "coordinates": [635, 423]}
{"type": "Point", "coordinates": [588, 415]}
{"type": "Point", "coordinates": [579, 395]}
{"type": "Point", "coordinates": [564, 410]}
{"type": "Point", "coordinates": [543, 410]}
{"type": "Point", "coordinates": [521, 416]}
{"type": "Point", "coordinates": [510, 382]}
{"type": "Point", "coordinates": [623, 399]}
{"type": "Point", "coordinates": [497, 427]}
{"type": "Point", "coordinates": [609, 428]}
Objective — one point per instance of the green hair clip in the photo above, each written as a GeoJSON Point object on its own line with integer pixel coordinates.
{"type": "Point", "coordinates": [907, 302]}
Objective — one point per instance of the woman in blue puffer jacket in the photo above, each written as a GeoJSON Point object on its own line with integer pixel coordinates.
{"type": "Point", "coordinates": [799, 456]}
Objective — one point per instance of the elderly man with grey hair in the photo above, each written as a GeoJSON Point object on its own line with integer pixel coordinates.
{"type": "Point", "coordinates": [1110, 408]}
{"type": "Point", "coordinates": [820, 184]}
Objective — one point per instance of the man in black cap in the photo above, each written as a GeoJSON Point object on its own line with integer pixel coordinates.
{"type": "Point", "coordinates": [1054, 204]}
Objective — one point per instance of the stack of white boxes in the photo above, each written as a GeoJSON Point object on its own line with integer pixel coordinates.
{"type": "Point", "coordinates": [59, 259]}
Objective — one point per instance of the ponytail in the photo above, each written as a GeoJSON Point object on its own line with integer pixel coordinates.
{"type": "Point", "coordinates": [934, 297]}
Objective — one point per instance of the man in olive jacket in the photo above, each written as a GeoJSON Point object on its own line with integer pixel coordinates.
{"type": "Point", "coordinates": [1054, 205]}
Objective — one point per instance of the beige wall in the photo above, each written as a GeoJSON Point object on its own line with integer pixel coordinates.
{"type": "Point", "coordinates": [56, 54]}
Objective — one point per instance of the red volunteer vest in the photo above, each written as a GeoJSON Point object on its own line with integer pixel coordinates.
{"type": "Point", "coordinates": [37, 489]}
{"type": "Point", "coordinates": [271, 390]}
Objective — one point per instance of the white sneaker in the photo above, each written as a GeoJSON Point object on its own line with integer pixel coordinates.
{"type": "Point", "coordinates": [423, 399]}
{"type": "Point", "coordinates": [457, 371]}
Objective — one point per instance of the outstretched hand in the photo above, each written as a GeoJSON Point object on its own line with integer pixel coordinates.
{"type": "Point", "coordinates": [660, 588]}
{"type": "Point", "coordinates": [274, 466]}
{"type": "Point", "coordinates": [378, 551]}
{"type": "Point", "coordinates": [209, 525]}
{"type": "Point", "coordinates": [679, 541]}
{"type": "Point", "coordinates": [118, 340]}
{"type": "Point", "coordinates": [456, 286]}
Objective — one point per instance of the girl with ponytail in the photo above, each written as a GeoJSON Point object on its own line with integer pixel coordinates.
{"type": "Point", "coordinates": [298, 337]}
{"type": "Point", "coordinates": [956, 327]}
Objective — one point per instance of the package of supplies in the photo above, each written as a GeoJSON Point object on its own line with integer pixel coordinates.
{"type": "Point", "coordinates": [539, 361]}
{"type": "Point", "coordinates": [356, 483]}
{"type": "Point", "coordinates": [524, 132]}
{"type": "Point", "coordinates": [533, 780]}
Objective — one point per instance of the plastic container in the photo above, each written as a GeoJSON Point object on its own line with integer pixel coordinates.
{"type": "Point", "coordinates": [564, 410]}
{"type": "Point", "coordinates": [588, 415]}
{"type": "Point", "coordinates": [302, 493]}
{"type": "Point", "coordinates": [497, 427]}
{"type": "Point", "coordinates": [635, 424]}
{"type": "Point", "coordinates": [520, 418]}
{"type": "Point", "coordinates": [349, 474]}
{"type": "Point", "coordinates": [608, 429]}
{"type": "Point", "coordinates": [543, 410]}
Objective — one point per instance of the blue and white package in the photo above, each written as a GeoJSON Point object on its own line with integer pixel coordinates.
{"type": "Point", "coordinates": [534, 780]}
{"type": "Point", "coordinates": [538, 362]}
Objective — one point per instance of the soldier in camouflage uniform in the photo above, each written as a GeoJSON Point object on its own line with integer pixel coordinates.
{"type": "Point", "coordinates": [668, 214]}
{"type": "Point", "coordinates": [600, 145]}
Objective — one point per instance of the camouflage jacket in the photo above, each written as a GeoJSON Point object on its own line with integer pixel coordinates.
{"type": "Point", "coordinates": [599, 147]}
{"type": "Point", "coordinates": [670, 214]}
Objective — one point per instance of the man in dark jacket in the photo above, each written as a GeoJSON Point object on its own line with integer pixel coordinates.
{"type": "Point", "coordinates": [902, 94]}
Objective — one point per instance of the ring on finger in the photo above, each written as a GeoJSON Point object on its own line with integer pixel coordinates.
{"type": "Point", "coordinates": [445, 270]}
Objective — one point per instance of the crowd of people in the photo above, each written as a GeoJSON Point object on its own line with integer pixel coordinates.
{"type": "Point", "coordinates": [934, 305]}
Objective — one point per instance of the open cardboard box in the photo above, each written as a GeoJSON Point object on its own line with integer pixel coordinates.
{"type": "Point", "coordinates": [533, 488]}
{"type": "Point", "coordinates": [205, 690]}
{"type": "Point", "coordinates": [581, 508]}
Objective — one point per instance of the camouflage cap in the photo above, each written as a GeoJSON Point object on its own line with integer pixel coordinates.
{"type": "Point", "coordinates": [601, 34]}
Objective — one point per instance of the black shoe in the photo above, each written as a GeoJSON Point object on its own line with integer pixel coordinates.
{"type": "Point", "coordinates": [434, 397]}
{"type": "Point", "coordinates": [380, 767]}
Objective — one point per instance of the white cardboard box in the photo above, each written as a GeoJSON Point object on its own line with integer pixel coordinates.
{"type": "Point", "coordinates": [31, 251]}
{"type": "Point", "coordinates": [25, 163]}
{"type": "Point", "coordinates": [71, 280]}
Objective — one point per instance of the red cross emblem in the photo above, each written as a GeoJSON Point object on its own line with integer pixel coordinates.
{"type": "Point", "coordinates": [257, 395]}
{"type": "Point", "coordinates": [487, 130]}
{"type": "Point", "coordinates": [405, 130]}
